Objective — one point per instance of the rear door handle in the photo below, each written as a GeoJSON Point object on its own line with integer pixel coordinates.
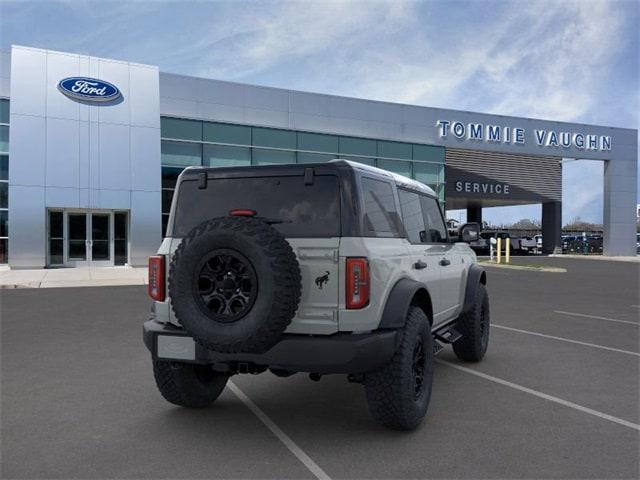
{"type": "Point", "coordinates": [444, 262]}
{"type": "Point", "coordinates": [419, 265]}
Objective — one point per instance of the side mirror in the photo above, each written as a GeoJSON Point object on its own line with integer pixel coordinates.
{"type": "Point", "coordinates": [469, 232]}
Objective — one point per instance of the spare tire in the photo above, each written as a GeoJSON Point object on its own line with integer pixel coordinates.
{"type": "Point", "coordinates": [234, 284]}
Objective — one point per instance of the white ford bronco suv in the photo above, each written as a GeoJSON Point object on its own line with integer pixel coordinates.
{"type": "Point", "coordinates": [322, 268]}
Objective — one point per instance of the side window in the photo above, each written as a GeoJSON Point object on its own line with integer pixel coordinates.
{"type": "Point", "coordinates": [412, 216]}
{"type": "Point", "coordinates": [436, 229]}
{"type": "Point", "coordinates": [380, 216]}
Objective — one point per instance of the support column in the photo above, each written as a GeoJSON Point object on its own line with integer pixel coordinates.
{"type": "Point", "coordinates": [552, 227]}
{"type": "Point", "coordinates": [620, 199]}
{"type": "Point", "coordinates": [474, 214]}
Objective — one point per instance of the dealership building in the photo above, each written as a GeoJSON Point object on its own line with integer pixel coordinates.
{"type": "Point", "coordinates": [90, 150]}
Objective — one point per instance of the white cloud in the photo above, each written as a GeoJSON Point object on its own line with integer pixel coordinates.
{"type": "Point", "coordinates": [263, 36]}
{"type": "Point", "coordinates": [539, 59]}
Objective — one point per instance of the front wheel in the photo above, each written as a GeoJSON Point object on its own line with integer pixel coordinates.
{"type": "Point", "coordinates": [187, 384]}
{"type": "Point", "coordinates": [398, 394]}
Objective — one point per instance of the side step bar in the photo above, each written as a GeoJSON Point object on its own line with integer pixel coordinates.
{"type": "Point", "coordinates": [444, 334]}
{"type": "Point", "coordinates": [447, 335]}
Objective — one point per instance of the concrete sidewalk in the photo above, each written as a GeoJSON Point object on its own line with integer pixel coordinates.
{"type": "Point", "coordinates": [73, 277]}
{"type": "Point", "coordinates": [635, 259]}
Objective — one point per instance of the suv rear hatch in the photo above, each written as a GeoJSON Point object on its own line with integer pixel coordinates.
{"type": "Point", "coordinates": [303, 206]}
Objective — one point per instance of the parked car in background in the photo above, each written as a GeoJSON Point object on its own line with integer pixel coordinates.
{"type": "Point", "coordinates": [538, 239]}
{"type": "Point", "coordinates": [528, 245]}
{"type": "Point", "coordinates": [582, 244]}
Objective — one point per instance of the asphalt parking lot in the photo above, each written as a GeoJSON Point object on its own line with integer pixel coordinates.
{"type": "Point", "coordinates": [556, 397]}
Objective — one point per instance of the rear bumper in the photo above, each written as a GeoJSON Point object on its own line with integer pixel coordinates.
{"type": "Point", "coordinates": [338, 353]}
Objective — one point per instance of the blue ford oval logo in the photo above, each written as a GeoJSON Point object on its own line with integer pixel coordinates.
{"type": "Point", "coordinates": [89, 89]}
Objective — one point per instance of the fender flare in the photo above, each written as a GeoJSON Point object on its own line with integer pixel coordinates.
{"type": "Point", "coordinates": [400, 299]}
{"type": "Point", "coordinates": [476, 276]}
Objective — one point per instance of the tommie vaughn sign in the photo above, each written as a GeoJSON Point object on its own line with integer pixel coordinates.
{"type": "Point", "coordinates": [88, 89]}
{"type": "Point", "coordinates": [478, 132]}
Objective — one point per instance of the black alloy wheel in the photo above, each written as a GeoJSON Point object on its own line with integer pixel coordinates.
{"type": "Point", "coordinates": [226, 285]}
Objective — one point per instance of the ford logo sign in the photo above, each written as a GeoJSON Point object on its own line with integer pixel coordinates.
{"type": "Point", "coordinates": [88, 89]}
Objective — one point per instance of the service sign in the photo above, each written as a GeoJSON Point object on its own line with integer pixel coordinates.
{"type": "Point", "coordinates": [88, 89]}
{"type": "Point", "coordinates": [478, 132]}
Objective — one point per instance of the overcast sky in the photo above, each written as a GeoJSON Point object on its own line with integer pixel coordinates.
{"type": "Point", "coordinates": [558, 60]}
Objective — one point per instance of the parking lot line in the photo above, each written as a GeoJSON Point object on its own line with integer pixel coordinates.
{"type": "Point", "coordinates": [574, 314]}
{"type": "Point", "coordinates": [563, 339]}
{"type": "Point", "coordinates": [545, 396]}
{"type": "Point", "coordinates": [277, 431]}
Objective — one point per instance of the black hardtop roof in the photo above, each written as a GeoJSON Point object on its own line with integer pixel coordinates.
{"type": "Point", "coordinates": [335, 167]}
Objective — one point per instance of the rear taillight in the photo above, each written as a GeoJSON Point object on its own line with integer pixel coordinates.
{"type": "Point", "coordinates": [156, 277]}
{"type": "Point", "coordinates": [357, 284]}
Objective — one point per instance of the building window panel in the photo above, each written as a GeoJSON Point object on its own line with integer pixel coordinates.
{"type": "Point", "coordinates": [179, 128]}
{"type": "Point", "coordinates": [4, 195]}
{"type": "Point", "coordinates": [394, 150]}
{"type": "Point", "coordinates": [170, 176]}
{"type": "Point", "coordinates": [272, 157]}
{"type": "Point", "coordinates": [304, 157]}
{"type": "Point", "coordinates": [224, 156]}
{"type": "Point", "coordinates": [364, 160]}
{"type": "Point", "coordinates": [396, 166]}
{"type": "Point", "coordinates": [226, 133]}
{"type": "Point", "coordinates": [120, 238]}
{"type": "Point", "coordinates": [316, 142]}
{"type": "Point", "coordinates": [56, 238]}
{"type": "Point", "coordinates": [358, 146]}
{"type": "Point", "coordinates": [4, 250]}
{"type": "Point", "coordinates": [4, 111]}
{"type": "Point", "coordinates": [183, 154]}
{"type": "Point", "coordinates": [270, 137]}
{"type": "Point", "coordinates": [4, 139]}
{"type": "Point", "coordinates": [428, 173]}
{"type": "Point", "coordinates": [165, 222]}
{"type": "Point", "coordinates": [4, 223]}
{"type": "Point", "coordinates": [428, 153]}
{"type": "Point", "coordinates": [4, 167]}
{"type": "Point", "coordinates": [167, 196]}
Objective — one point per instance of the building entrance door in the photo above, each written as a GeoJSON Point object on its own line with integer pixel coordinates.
{"type": "Point", "coordinates": [101, 239]}
{"type": "Point", "coordinates": [87, 238]}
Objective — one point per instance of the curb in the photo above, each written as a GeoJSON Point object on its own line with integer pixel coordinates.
{"type": "Point", "coordinates": [73, 284]}
{"type": "Point", "coordinates": [523, 267]}
{"type": "Point", "coordinates": [601, 258]}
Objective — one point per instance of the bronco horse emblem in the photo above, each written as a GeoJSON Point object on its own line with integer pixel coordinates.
{"type": "Point", "coordinates": [322, 280]}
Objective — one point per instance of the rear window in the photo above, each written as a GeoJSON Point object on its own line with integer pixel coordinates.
{"type": "Point", "coordinates": [305, 210]}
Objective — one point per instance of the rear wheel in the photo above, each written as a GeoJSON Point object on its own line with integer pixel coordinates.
{"type": "Point", "coordinates": [474, 326]}
{"type": "Point", "coordinates": [188, 385]}
{"type": "Point", "coordinates": [398, 394]}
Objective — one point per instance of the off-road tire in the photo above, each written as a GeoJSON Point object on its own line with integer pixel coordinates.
{"type": "Point", "coordinates": [391, 390]}
{"type": "Point", "coordinates": [474, 326]}
{"type": "Point", "coordinates": [277, 274]}
{"type": "Point", "coordinates": [188, 385]}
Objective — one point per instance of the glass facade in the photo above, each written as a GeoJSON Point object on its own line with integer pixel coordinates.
{"type": "Point", "coordinates": [4, 180]}
{"type": "Point", "coordinates": [194, 142]}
